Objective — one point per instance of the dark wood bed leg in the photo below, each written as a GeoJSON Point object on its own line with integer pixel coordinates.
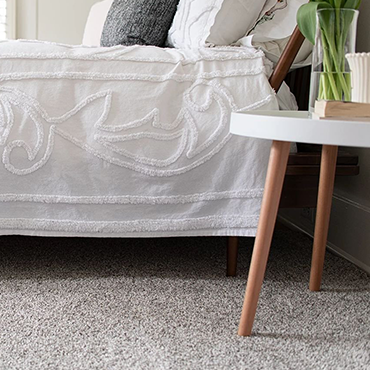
{"type": "Point", "coordinates": [232, 255]}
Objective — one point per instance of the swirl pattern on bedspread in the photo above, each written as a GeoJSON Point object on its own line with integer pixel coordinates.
{"type": "Point", "coordinates": [88, 130]}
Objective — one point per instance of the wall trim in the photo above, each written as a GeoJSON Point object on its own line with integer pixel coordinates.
{"type": "Point", "coordinates": [352, 203]}
{"type": "Point", "coordinates": [330, 246]}
{"type": "Point", "coordinates": [349, 231]}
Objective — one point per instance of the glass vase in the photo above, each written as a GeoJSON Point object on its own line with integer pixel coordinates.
{"type": "Point", "coordinates": [335, 37]}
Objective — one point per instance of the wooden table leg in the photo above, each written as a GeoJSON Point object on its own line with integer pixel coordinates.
{"type": "Point", "coordinates": [270, 204]}
{"type": "Point", "coordinates": [324, 203]}
{"type": "Point", "coordinates": [232, 255]}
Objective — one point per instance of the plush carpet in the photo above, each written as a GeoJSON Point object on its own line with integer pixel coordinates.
{"type": "Point", "coordinates": [166, 304]}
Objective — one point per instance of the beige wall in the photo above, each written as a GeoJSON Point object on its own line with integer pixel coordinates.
{"type": "Point", "coordinates": [26, 19]}
{"type": "Point", "coordinates": [53, 20]}
{"type": "Point", "coordinates": [363, 43]}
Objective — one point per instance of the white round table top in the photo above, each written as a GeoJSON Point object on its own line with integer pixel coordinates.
{"type": "Point", "coordinates": [294, 126]}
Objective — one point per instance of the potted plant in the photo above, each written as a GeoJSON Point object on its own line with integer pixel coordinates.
{"type": "Point", "coordinates": [330, 25]}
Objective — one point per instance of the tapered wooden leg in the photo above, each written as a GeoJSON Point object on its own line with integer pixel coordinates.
{"type": "Point", "coordinates": [232, 256]}
{"type": "Point", "coordinates": [270, 204]}
{"type": "Point", "coordinates": [324, 203]}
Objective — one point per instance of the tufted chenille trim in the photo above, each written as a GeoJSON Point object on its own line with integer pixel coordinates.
{"type": "Point", "coordinates": [133, 199]}
{"type": "Point", "coordinates": [122, 49]}
{"type": "Point", "coordinates": [218, 87]}
{"type": "Point", "coordinates": [141, 169]}
{"type": "Point", "coordinates": [143, 225]}
{"type": "Point", "coordinates": [108, 140]}
{"type": "Point", "coordinates": [17, 76]}
{"type": "Point", "coordinates": [211, 96]}
{"type": "Point", "coordinates": [31, 105]}
{"type": "Point", "coordinates": [6, 120]}
{"type": "Point", "coordinates": [191, 22]}
{"type": "Point", "coordinates": [152, 117]}
{"type": "Point", "coordinates": [189, 146]}
{"type": "Point", "coordinates": [123, 58]}
{"type": "Point", "coordinates": [183, 10]}
{"type": "Point", "coordinates": [35, 112]}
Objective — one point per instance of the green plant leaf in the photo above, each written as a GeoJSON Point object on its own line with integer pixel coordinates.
{"type": "Point", "coordinates": [352, 4]}
{"type": "Point", "coordinates": [306, 18]}
{"type": "Point", "coordinates": [338, 3]}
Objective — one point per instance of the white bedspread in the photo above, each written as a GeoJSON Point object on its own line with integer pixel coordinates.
{"type": "Point", "coordinates": [129, 141]}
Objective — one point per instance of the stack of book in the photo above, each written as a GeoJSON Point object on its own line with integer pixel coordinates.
{"type": "Point", "coordinates": [341, 111]}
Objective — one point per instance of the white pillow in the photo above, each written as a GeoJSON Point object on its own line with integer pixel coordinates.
{"type": "Point", "coordinates": [278, 20]}
{"type": "Point", "coordinates": [200, 23]}
{"type": "Point", "coordinates": [95, 23]}
{"type": "Point", "coordinates": [273, 29]}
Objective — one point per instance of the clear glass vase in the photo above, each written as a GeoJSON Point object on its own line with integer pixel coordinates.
{"type": "Point", "coordinates": [335, 37]}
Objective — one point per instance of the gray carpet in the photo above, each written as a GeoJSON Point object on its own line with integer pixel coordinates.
{"type": "Point", "coordinates": [166, 304]}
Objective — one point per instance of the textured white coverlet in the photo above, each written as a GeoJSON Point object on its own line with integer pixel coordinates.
{"type": "Point", "coordinates": [129, 141]}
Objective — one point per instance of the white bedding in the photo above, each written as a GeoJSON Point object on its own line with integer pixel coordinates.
{"type": "Point", "coordinates": [129, 141]}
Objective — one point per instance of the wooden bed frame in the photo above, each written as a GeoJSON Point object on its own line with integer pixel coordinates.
{"type": "Point", "coordinates": [302, 177]}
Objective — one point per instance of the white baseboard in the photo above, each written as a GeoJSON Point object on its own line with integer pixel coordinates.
{"type": "Point", "coordinates": [349, 233]}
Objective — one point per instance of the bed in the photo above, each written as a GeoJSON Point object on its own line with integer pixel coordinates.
{"type": "Point", "coordinates": [130, 141]}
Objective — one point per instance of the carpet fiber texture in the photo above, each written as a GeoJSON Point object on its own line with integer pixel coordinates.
{"type": "Point", "coordinates": [166, 304]}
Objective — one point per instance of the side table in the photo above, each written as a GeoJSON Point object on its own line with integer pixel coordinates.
{"type": "Point", "coordinates": [284, 127]}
